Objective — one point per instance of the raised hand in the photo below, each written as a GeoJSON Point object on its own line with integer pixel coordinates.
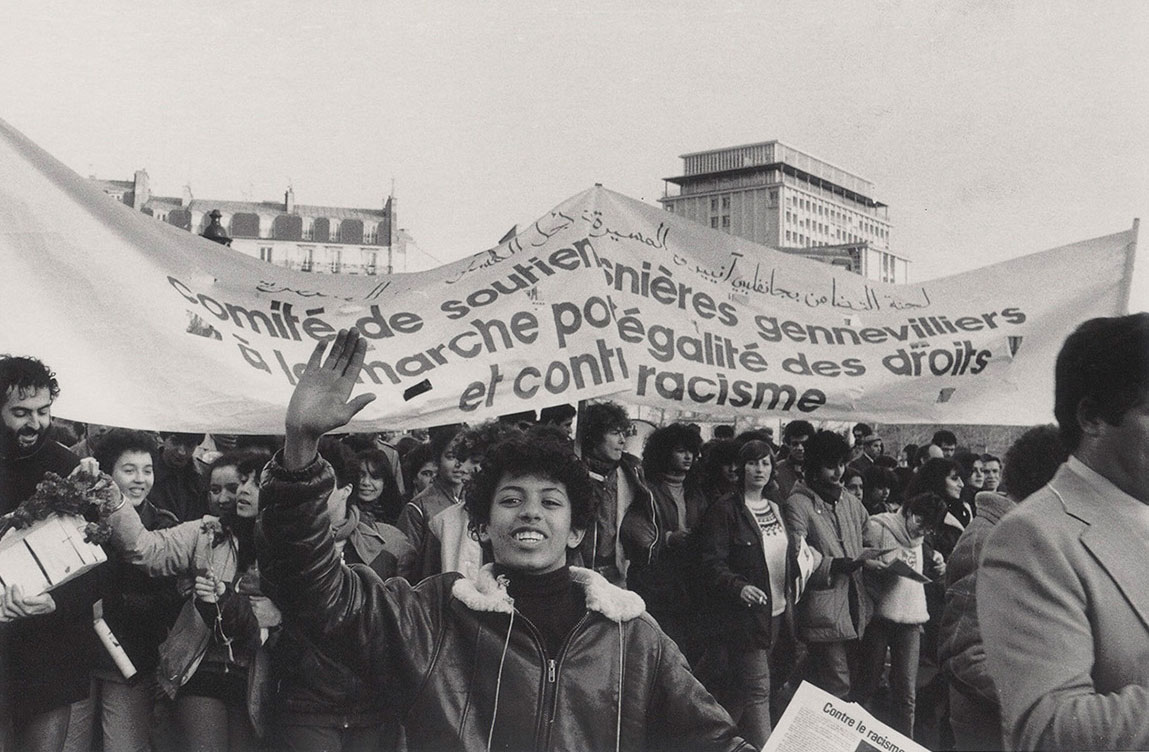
{"type": "Point", "coordinates": [320, 402]}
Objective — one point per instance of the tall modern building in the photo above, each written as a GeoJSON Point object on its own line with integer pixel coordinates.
{"type": "Point", "coordinates": [773, 194]}
{"type": "Point", "coordinates": [320, 239]}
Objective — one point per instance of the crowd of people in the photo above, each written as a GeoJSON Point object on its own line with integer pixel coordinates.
{"type": "Point", "coordinates": [519, 584]}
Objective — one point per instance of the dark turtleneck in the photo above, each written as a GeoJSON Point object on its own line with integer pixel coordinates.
{"type": "Point", "coordinates": [598, 465]}
{"type": "Point", "coordinates": [552, 602]}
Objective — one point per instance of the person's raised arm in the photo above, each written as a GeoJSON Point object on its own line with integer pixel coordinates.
{"type": "Point", "coordinates": [320, 401]}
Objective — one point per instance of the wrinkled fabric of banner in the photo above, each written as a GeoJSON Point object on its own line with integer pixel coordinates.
{"type": "Point", "coordinates": [151, 327]}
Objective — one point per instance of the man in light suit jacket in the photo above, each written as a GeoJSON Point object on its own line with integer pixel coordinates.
{"type": "Point", "coordinates": [1063, 594]}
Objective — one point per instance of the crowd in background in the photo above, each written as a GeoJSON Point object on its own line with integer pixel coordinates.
{"type": "Point", "coordinates": [819, 557]}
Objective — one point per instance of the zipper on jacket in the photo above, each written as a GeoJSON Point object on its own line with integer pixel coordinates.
{"type": "Point", "coordinates": [551, 699]}
{"type": "Point", "coordinates": [657, 531]}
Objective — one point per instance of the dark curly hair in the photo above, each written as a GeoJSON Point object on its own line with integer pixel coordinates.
{"type": "Point", "coordinates": [597, 419]}
{"type": "Point", "coordinates": [442, 438]}
{"type": "Point", "coordinates": [662, 443]}
{"type": "Point", "coordinates": [21, 376]}
{"type": "Point", "coordinates": [716, 455]}
{"type": "Point", "coordinates": [824, 449]}
{"type": "Point", "coordinates": [250, 462]}
{"type": "Point", "coordinates": [116, 442]}
{"type": "Point", "coordinates": [414, 460]}
{"type": "Point", "coordinates": [532, 453]}
{"type": "Point", "coordinates": [477, 440]}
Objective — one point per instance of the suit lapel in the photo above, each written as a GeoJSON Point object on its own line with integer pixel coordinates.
{"type": "Point", "coordinates": [1115, 544]}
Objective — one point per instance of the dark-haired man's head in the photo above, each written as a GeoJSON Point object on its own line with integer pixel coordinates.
{"type": "Point", "coordinates": [794, 438]}
{"type": "Point", "coordinates": [419, 467]}
{"type": "Point", "coordinates": [991, 471]}
{"type": "Point", "coordinates": [826, 454]}
{"type": "Point", "coordinates": [179, 447]}
{"type": "Point", "coordinates": [27, 390]}
{"type": "Point", "coordinates": [723, 431]}
{"type": "Point", "coordinates": [605, 427]}
{"type": "Point", "coordinates": [530, 502]}
{"type": "Point", "coordinates": [1032, 460]}
{"type": "Point", "coordinates": [946, 441]}
{"type": "Point", "coordinates": [474, 442]}
{"type": "Point", "coordinates": [521, 420]}
{"type": "Point", "coordinates": [1101, 399]}
{"type": "Point", "coordinates": [720, 467]}
{"type": "Point", "coordinates": [559, 415]}
{"type": "Point", "coordinates": [860, 431]}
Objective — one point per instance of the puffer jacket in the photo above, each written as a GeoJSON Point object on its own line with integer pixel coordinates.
{"type": "Point", "coordinates": [462, 668]}
{"type": "Point", "coordinates": [960, 648]}
{"type": "Point", "coordinates": [824, 612]}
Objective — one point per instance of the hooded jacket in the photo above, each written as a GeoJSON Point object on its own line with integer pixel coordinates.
{"type": "Point", "coordinates": [461, 667]}
{"type": "Point", "coordinates": [826, 612]}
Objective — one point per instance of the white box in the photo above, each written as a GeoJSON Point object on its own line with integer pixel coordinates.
{"type": "Point", "coordinates": [47, 554]}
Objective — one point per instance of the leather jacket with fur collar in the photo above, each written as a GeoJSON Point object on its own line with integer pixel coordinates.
{"type": "Point", "coordinates": [461, 667]}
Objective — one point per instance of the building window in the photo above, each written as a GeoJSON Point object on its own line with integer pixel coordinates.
{"type": "Point", "coordinates": [265, 253]}
{"type": "Point", "coordinates": [308, 259]}
{"type": "Point", "coordinates": [725, 221]}
{"type": "Point", "coordinates": [725, 202]}
{"type": "Point", "coordinates": [372, 259]}
{"type": "Point", "coordinates": [336, 255]}
{"type": "Point", "coordinates": [714, 222]}
{"type": "Point", "coordinates": [714, 204]}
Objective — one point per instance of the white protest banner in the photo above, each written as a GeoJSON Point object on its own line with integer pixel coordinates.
{"type": "Point", "coordinates": [715, 324]}
{"type": "Point", "coordinates": [816, 721]}
{"type": "Point", "coordinates": [151, 327]}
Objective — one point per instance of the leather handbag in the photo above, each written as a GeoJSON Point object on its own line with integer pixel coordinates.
{"type": "Point", "coordinates": [184, 648]}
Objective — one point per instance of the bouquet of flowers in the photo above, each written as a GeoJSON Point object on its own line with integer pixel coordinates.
{"type": "Point", "coordinates": [78, 495]}
{"type": "Point", "coordinates": [56, 534]}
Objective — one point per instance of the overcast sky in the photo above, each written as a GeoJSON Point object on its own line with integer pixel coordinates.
{"type": "Point", "coordinates": [990, 129]}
